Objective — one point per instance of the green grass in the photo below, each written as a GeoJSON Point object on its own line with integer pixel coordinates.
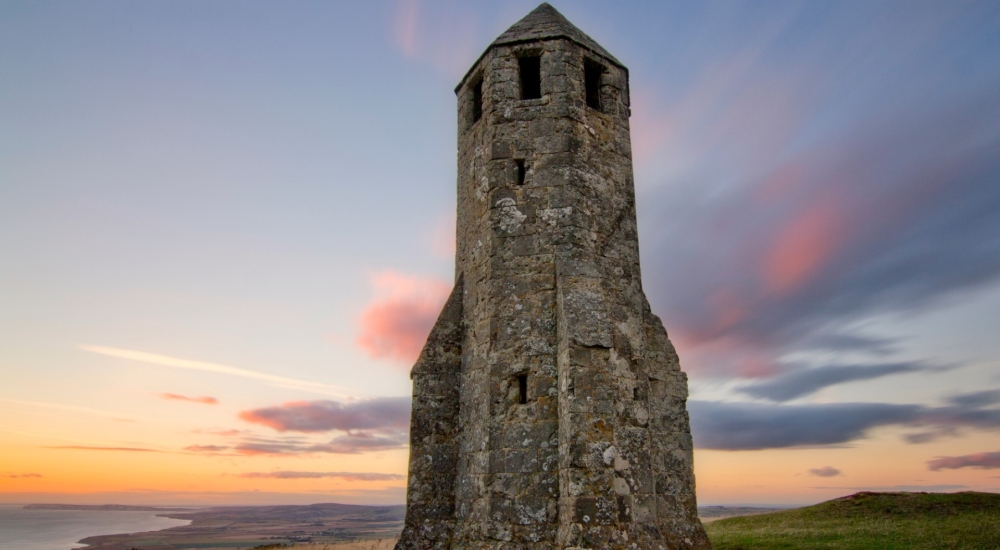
{"type": "Point", "coordinates": [870, 521]}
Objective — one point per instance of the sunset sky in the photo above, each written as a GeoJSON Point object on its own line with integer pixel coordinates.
{"type": "Point", "coordinates": [226, 228]}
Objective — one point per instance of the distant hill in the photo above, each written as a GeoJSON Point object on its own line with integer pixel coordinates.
{"type": "Point", "coordinates": [870, 521]}
{"type": "Point", "coordinates": [104, 507]}
{"type": "Point", "coordinates": [249, 526]}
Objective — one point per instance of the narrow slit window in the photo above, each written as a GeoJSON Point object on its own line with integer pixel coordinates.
{"type": "Point", "coordinates": [477, 101]}
{"type": "Point", "coordinates": [522, 388]}
{"type": "Point", "coordinates": [531, 77]}
{"type": "Point", "coordinates": [520, 172]}
{"type": "Point", "coordinates": [592, 82]}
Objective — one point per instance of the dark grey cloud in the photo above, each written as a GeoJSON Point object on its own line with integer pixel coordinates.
{"type": "Point", "coordinates": [327, 415]}
{"type": "Point", "coordinates": [754, 426]}
{"type": "Point", "coordinates": [349, 476]}
{"type": "Point", "coordinates": [976, 399]}
{"type": "Point", "coordinates": [798, 383]}
{"type": "Point", "coordinates": [985, 461]}
{"type": "Point", "coordinates": [825, 471]}
{"type": "Point", "coordinates": [749, 426]}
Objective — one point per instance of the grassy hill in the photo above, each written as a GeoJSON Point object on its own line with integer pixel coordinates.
{"type": "Point", "coordinates": [875, 521]}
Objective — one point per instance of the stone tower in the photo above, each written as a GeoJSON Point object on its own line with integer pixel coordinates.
{"type": "Point", "coordinates": [548, 403]}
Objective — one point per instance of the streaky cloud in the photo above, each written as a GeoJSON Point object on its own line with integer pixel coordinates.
{"type": "Point", "coordinates": [75, 408]}
{"type": "Point", "coordinates": [736, 426]}
{"type": "Point", "coordinates": [799, 383]}
{"type": "Point", "coordinates": [101, 448]}
{"type": "Point", "coordinates": [323, 416]}
{"type": "Point", "coordinates": [976, 399]}
{"type": "Point", "coordinates": [205, 399]}
{"type": "Point", "coordinates": [753, 426]}
{"type": "Point", "coordinates": [275, 380]}
{"type": "Point", "coordinates": [984, 461]}
{"type": "Point", "coordinates": [348, 476]}
{"type": "Point", "coordinates": [899, 488]}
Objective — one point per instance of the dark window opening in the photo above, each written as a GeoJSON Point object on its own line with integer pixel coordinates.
{"type": "Point", "coordinates": [522, 388]}
{"type": "Point", "coordinates": [477, 101]}
{"type": "Point", "coordinates": [592, 82]}
{"type": "Point", "coordinates": [531, 77]}
{"type": "Point", "coordinates": [520, 172]}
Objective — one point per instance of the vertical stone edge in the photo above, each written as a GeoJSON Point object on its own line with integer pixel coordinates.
{"type": "Point", "coordinates": [671, 446]}
{"type": "Point", "coordinates": [430, 492]}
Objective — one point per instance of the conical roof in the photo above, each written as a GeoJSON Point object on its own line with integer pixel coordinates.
{"type": "Point", "coordinates": [542, 23]}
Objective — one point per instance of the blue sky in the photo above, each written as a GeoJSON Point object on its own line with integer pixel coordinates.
{"type": "Point", "coordinates": [254, 202]}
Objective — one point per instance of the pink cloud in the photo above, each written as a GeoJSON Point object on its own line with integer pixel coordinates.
{"type": "Point", "coordinates": [177, 397]}
{"type": "Point", "coordinates": [442, 34]}
{"type": "Point", "coordinates": [396, 323]}
{"type": "Point", "coordinates": [803, 247]}
{"type": "Point", "coordinates": [405, 26]}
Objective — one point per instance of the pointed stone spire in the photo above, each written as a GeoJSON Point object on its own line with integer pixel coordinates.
{"type": "Point", "coordinates": [546, 22]}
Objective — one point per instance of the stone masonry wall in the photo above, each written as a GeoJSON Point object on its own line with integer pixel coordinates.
{"type": "Point", "coordinates": [549, 288]}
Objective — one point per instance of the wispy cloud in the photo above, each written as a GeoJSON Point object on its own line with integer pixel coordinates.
{"type": "Point", "coordinates": [747, 426]}
{"type": "Point", "coordinates": [274, 380]}
{"type": "Point", "coordinates": [217, 431]}
{"type": "Point", "coordinates": [770, 233]}
{"type": "Point", "coordinates": [99, 448]}
{"type": "Point", "coordinates": [21, 476]}
{"type": "Point", "coordinates": [826, 471]}
{"type": "Point", "coordinates": [396, 323]}
{"type": "Point", "coordinates": [976, 399]}
{"type": "Point", "coordinates": [799, 383]}
{"type": "Point", "coordinates": [371, 425]}
{"type": "Point", "coordinates": [441, 34]}
{"type": "Point", "coordinates": [177, 397]}
{"type": "Point", "coordinates": [323, 416]}
{"type": "Point", "coordinates": [73, 408]}
{"type": "Point", "coordinates": [984, 461]}
{"type": "Point", "coordinates": [207, 448]}
{"type": "Point", "coordinates": [893, 488]}
{"type": "Point", "coordinates": [348, 476]}
{"type": "Point", "coordinates": [349, 443]}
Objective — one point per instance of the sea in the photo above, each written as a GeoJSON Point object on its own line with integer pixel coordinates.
{"type": "Point", "coordinates": [22, 529]}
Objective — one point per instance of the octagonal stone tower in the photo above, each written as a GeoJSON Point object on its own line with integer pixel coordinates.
{"type": "Point", "coordinates": [548, 402]}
